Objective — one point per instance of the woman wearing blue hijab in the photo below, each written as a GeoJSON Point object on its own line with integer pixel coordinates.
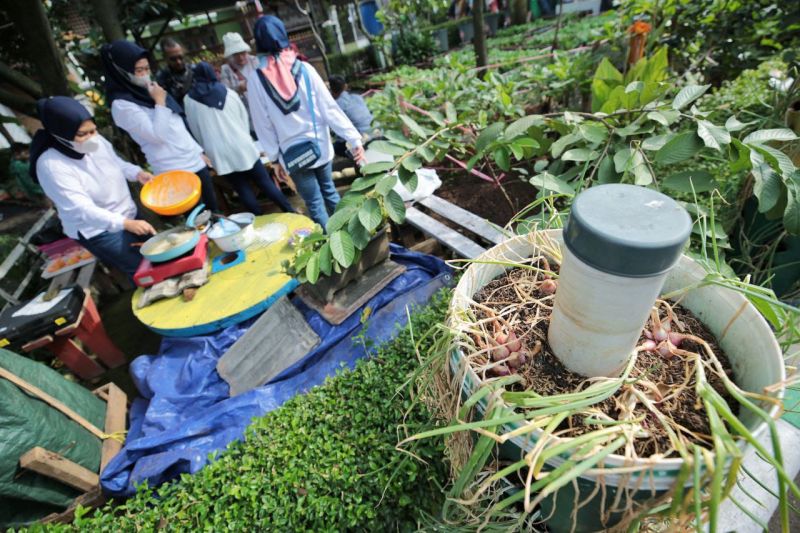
{"type": "Point", "coordinates": [151, 116]}
{"type": "Point", "coordinates": [218, 120]}
{"type": "Point", "coordinates": [292, 110]}
{"type": "Point", "coordinates": [86, 180]}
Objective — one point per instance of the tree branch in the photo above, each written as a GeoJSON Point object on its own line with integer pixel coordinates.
{"type": "Point", "coordinates": [18, 102]}
{"type": "Point", "coordinates": [20, 81]}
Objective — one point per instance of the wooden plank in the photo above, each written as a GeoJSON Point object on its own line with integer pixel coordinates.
{"type": "Point", "coordinates": [24, 283]}
{"type": "Point", "coordinates": [278, 339]}
{"type": "Point", "coordinates": [464, 218]}
{"type": "Point", "coordinates": [428, 246]}
{"type": "Point", "coordinates": [116, 410]}
{"type": "Point", "coordinates": [19, 249]}
{"type": "Point", "coordinates": [102, 392]}
{"type": "Point", "coordinates": [59, 282]}
{"type": "Point", "coordinates": [84, 277]}
{"type": "Point", "coordinates": [461, 245]}
{"type": "Point", "coordinates": [352, 297]}
{"type": "Point", "coordinates": [57, 467]}
{"type": "Point", "coordinates": [52, 402]}
{"type": "Point", "coordinates": [90, 500]}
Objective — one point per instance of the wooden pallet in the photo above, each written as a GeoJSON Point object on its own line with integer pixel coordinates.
{"type": "Point", "coordinates": [55, 466]}
{"type": "Point", "coordinates": [450, 238]}
{"type": "Point", "coordinates": [460, 244]}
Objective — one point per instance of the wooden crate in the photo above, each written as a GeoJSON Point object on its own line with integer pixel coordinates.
{"type": "Point", "coordinates": [53, 465]}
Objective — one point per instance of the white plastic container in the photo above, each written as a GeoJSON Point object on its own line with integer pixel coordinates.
{"type": "Point", "coordinates": [620, 243]}
{"type": "Point", "coordinates": [598, 314]}
{"type": "Point", "coordinates": [228, 238]}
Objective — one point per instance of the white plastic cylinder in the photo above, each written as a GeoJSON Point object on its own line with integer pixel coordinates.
{"type": "Point", "coordinates": [598, 317]}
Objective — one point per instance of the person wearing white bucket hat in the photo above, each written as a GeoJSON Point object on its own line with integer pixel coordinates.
{"type": "Point", "coordinates": [238, 66]}
{"type": "Point", "coordinates": [239, 63]}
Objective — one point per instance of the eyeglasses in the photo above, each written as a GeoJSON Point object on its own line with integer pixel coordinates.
{"type": "Point", "coordinates": [175, 59]}
{"type": "Point", "coordinates": [85, 133]}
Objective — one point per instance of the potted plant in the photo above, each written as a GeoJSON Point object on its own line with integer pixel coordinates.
{"type": "Point", "coordinates": [493, 22]}
{"type": "Point", "coordinates": [551, 447]}
{"type": "Point", "coordinates": [466, 30]}
{"type": "Point", "coordinates": [355, 237]}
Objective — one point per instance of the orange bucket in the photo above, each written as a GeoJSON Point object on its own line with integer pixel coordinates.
{"type": "Point", "coordinates": [171, 193]}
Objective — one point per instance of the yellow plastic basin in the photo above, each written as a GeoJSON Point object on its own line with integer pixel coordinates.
{"type": "Point", "coordinates": [171, 193]}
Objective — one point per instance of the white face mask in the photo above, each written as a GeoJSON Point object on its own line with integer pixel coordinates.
{"type": "Point", "coordinates": [141, 81]}
{"type": "Point", "coordinates": [92, 144]}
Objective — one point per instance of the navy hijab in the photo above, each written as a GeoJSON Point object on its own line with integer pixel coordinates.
{"type": "Point", "coordinates": [206, 88]}
{"type": "Point", "coordinates": [280, 68]}
{"type": "Point", "coordinates": [119, 59]}
{"type": "Point", "coordinates": [62, 117]}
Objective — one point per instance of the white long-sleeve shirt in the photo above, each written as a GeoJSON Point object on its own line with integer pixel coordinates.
{"type": "Point", "coordinates": [90, 194]}
{"type": "Point", "coordinates": [161, 134]}
{"type": "Point", "coordinates": [223, 133]}
{"type": "Point", "coordinates": [277, 132]}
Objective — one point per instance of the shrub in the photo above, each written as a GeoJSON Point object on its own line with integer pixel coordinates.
{"type": "Point", "coordinates": [413, 47]}
{"type": "Point", "coordinates": [325, 461]}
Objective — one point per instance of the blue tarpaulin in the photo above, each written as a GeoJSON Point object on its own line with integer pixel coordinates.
{"type": "Point", "coordinates": [185, 412]}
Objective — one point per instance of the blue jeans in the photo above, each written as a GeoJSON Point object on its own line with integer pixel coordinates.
{"type": "Point", "coordinates": [258, 175]}
{"type": "Point", "coordinates": [207, 189]}
{"type": "Point", "coordinates": [316, 187]}
{"type": "Point", "coordinates": [114, 249]}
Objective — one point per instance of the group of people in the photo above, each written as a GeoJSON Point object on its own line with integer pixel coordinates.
{"type": "Point", "coordinates": [190, 120]}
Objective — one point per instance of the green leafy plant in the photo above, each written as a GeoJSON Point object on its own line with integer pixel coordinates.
{"type": "Point", "coordinates": [371, 200]}
{"type": "Point", "coordinates": [636, 133]}
{"type": "Point", "coordinates": [413, 47]}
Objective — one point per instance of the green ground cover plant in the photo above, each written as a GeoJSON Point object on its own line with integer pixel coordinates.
{"type": "Point", "coordinates": [324, 461]}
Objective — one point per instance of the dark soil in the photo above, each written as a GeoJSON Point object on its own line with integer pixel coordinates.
{"type": "Point", "coordinates": [486, 199]}
{"type": "Point", "coordinates": [545, 374]}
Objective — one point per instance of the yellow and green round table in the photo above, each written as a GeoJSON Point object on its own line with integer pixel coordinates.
{"type": "Point", "coordinates": [232, 295]}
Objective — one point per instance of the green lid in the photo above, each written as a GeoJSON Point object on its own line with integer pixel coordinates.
{"type": "Point", "coordinates": [627, 230]}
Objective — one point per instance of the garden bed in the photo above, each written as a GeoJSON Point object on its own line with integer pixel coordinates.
{"type": "Point", "coordinates": [485, 199]}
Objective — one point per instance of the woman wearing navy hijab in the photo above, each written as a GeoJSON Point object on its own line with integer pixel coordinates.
{"type": "Point", "coordinates": [86, 180]}
{"type": "Point", "coordinates": [218, 120]}
{"type": "Point", "coordinates": [151, 116]}
{"type": "Point", "coordinates": [282, 117]}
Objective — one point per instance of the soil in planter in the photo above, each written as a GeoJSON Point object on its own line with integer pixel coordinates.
{"type": "Point", "coordinates": [544, 374]}
{"type": "Point", "coordinates": [485, 199]}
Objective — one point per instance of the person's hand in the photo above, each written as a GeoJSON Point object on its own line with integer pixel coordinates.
{"type": "Point", "coordinates": [138, 227]}
{"type": "Point", "coordinates": [359, 155]}
{"type": "Point", "coordinates": [280, 173]}
{"type": "Point", "coordinates": [243, 86]}
{"type": "Point", "coordinates": [158, 94]}
{"type": "Point", "coordinates": [143, 177]}
{"type": "Point", "coordinates": [206, 160]}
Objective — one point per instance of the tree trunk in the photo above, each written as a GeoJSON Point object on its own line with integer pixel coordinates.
{"type": "Point", "coordinates": [479, 40]}
{"type": "Point", "coordinates": [519, 11]}
{"type": "Point", "coordinates": [18, 102]}
{"type": "Point", "coordinates": [20, 81]}
{"type": "Point", "coordinates": [39, 46]}
{"type": "Point", "coordinates": [105, 12]}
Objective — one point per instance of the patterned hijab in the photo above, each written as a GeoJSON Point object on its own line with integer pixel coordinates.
{"type": "Point", "coordinates": [280, 68]}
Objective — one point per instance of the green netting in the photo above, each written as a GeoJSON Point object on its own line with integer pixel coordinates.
{"type": "Point", "coordinates": [26, 421]}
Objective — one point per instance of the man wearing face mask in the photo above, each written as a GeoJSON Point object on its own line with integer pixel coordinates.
{"type": "Point", "coordinates": [176, 77]}
{"type": "Point", "coordinates": [86, 180]}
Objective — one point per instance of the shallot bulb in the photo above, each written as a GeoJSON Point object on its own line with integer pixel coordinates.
{"type": "Point", "coordinates": [548, 287]}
